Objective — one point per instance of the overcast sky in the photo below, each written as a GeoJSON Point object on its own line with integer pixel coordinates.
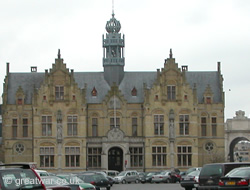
{"type": "Point", "coordinates": [200, 33]}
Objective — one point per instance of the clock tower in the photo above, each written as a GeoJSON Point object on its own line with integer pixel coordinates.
{"type": "Point", "coordinates": [113, 52]}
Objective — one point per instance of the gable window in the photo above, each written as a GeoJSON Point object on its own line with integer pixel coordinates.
{"type": "Point", "coordinates": [159, 156]}
{"type": "Point", "coordinates": [47, 157]}
{"type": "Point", "coordinates": [25, 127]}
{"type": "Point", "coordinates": [158, 124]}
{"type": "Point", "coordinates": [184, 155]}
{"type": "Point", "coordinates": [46, 125]}
{"type": "Point", "coordinates": [184, 124]}
{"type": "Point", "coordinates": [94, 127]}
{"type": "Point", "coordinates": [59, 90]}
{"type": "Point", "coordinates": [14, 128]}
{"type": "Point", "coordinates": [203, 126]}
{"type": "Point", "coordinates": [171, 92]}
{"type": "Point", "coordinates": [134, 127]}
{"type": "Point", "coordinates": [72, 125]}
{"type": "Point", "coordinates": [114, 122]}
{"type": "Point", "coordinates": [214, 126]}
{"type": "Point", "coordinates": [72, 156]}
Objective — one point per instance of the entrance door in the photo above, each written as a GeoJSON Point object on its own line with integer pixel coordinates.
{"type": "Point", "coordinates": [115, 159]}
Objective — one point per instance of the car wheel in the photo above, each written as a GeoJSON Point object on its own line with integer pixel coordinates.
{"type": "Point", "coordinates": [124, 181]}
{"type": "Point", "coordinates": [108, 188]}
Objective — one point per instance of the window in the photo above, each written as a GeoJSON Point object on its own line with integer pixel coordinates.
{"type": "Point", "coordinates": [184, 155]}
{"type": "Point", "coordinates": [184, 124]}
{"type": "Point", "coordinates": [136, 156]}
{"type": "Point", "coordinates": [72, 125]}
{"type": "Point", "coordinates": [47, 157]}
{"type": "Point", "coordinates": [94, 92]}
{"type": "Point", "coordinates": [94, 157]}
{"type": "Point", "coordinates": [171, 92]}
{"type": "Point", "coordinates": [134, 127]}
{"type": "Point", "coordinates": [72, 156]}
{"type": "Point", "coordinates": [159, 156]}
{"type": "Point", "coordinates": [114, 122]}
{"type": "Point", "coordinates": [158, 124]}
{"type": "Point", "coordinates": [59, 92]}
{"type": "Point", "coordinates": [25, 127]}
{"type": "Point", "coordinates": [134, 92]}
{"type": "Point", "coordinates": [44, 98]}
{"type": "Point", "coordinates": [19, 101]}
{"type": "Point", "coordinates": [14, 128]}
{"type": "Point", "coordinates": [208, 100]}
{"type": "Point", "coordinates": [203, 126]}
{"type": "Point", "coordinates": [46, 125]}
{"type": "Point", "coordinates": [214, 126]}
{"type": "Point", "coordinates": [19, 148]}
{"type": "Point", "coordinates": [94, 127]}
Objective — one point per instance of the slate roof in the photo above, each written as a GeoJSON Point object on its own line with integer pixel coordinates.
{"type": "Point", "coordinates": [96, 79]}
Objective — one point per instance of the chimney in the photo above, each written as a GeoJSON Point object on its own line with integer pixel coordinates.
{"type": "Point", "coordinates": [7, 68]}
{"type": "Point", "coordinates": [33, 69]}
{"type": "Point", "coordinates": [184, 68]}
{"type": "Point", "coordinates": [218, 66]}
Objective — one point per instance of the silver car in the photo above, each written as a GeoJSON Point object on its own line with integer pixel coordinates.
{"type": "Point", "coordinates": [127, 177]}
{"type": "Point", "coordinates": [163, 177]}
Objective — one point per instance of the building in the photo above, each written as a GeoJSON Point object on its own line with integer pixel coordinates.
{"type": "Point", "coordinates": [116, 120]}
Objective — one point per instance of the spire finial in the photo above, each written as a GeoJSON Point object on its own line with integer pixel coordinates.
{"type": "Point", "coordinates": [59, 54]}
{"type": "Point", "coordinates": [113, 12]}
{"type": "Point", "coordinates": [171, 54]}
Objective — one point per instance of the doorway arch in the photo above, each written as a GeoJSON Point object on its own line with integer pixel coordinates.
{"type": "Point", "coordinates": [115, 159]}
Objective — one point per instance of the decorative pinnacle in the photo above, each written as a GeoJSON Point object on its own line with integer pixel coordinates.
{"type": "Point", "coordinates": [59, 54]}
{"type": "Point", "coordinates": [170, 54]}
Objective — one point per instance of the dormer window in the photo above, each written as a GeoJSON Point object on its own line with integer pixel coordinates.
{"type": "Point", "coordinates": [134, 92]}
{"type": "Point", "coordinates": [59, 92]}
{"type": "Point", "coordinates": [19, 101]}
{"type": "Point", "coordinates": [208, 100]}
{"type": "Point", "coordinates": [94, 92]}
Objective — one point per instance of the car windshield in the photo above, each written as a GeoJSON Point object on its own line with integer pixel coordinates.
{"type": "Point", "coordinates": [239, 173]}
{"type": "Point", "coordinates": [194, 173]}
{"type": "Point", "coordinates": [150, 174]}
{"type": "Point", "coordinates": [19, 179]}
{"type": "Point", "coordinates": [164, 173]}
{"type": "Point", "coordinates": [122, 174]}
{"type": "Point", "coordinates": [214, 170]}
{"type": "Point", "coordinates": [53, 181]}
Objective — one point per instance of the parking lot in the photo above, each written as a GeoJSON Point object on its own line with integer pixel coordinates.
{"type": "Point", "coordinates": [147, 186]}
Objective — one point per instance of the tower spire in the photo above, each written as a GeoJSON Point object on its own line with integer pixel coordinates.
{"type": "Point", "coordinates": [113, 12]}
{"type": "Point", "coordinates": [171, 54]}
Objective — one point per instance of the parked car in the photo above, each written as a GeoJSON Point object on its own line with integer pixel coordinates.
{"type": "Point", "coordinates": [19, 176]}
{"type": "Point", "coordinates": [211, 173]}
{"type": "Point", "coordinates": [42, 172]}
{"type": "Point", "coordinates": [162, 177]}
{"type": "Point", "coordinates": [147, 178]}
{"type": "Point", "coordinates": [175, 175]}
{"type": "Point", "coordinates": [54, 182]}
{"type": "Point", "coordinates": [190, 180]}
{"type": "Point", "coordinates": [238, 178]}
{"type": "Point", "coordinates": [111, 173]}
{"type": "Point", "coordinates": [127, 177]}
{"type": "Point", "coordinates": [73, 179]}
{"type": "Point", "coordinates": [97, 179]}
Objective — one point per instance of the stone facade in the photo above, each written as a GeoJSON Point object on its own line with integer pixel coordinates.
{"type": "Point", "coordinates": [74, 121]}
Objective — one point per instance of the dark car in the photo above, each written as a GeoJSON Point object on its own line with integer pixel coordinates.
{"type": "Point", "coordinates": [237, 178]}
{"type": "Point", "coordinates": [190, 180]}
{"type": "Point", "coordinates": [97, 179]}
{"type": "Point", "coordinates": [211, 173]}
{"type": "Point", "coordinates": [54, 182]}
{"type": "Point", "coordinates": [19, 176]}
